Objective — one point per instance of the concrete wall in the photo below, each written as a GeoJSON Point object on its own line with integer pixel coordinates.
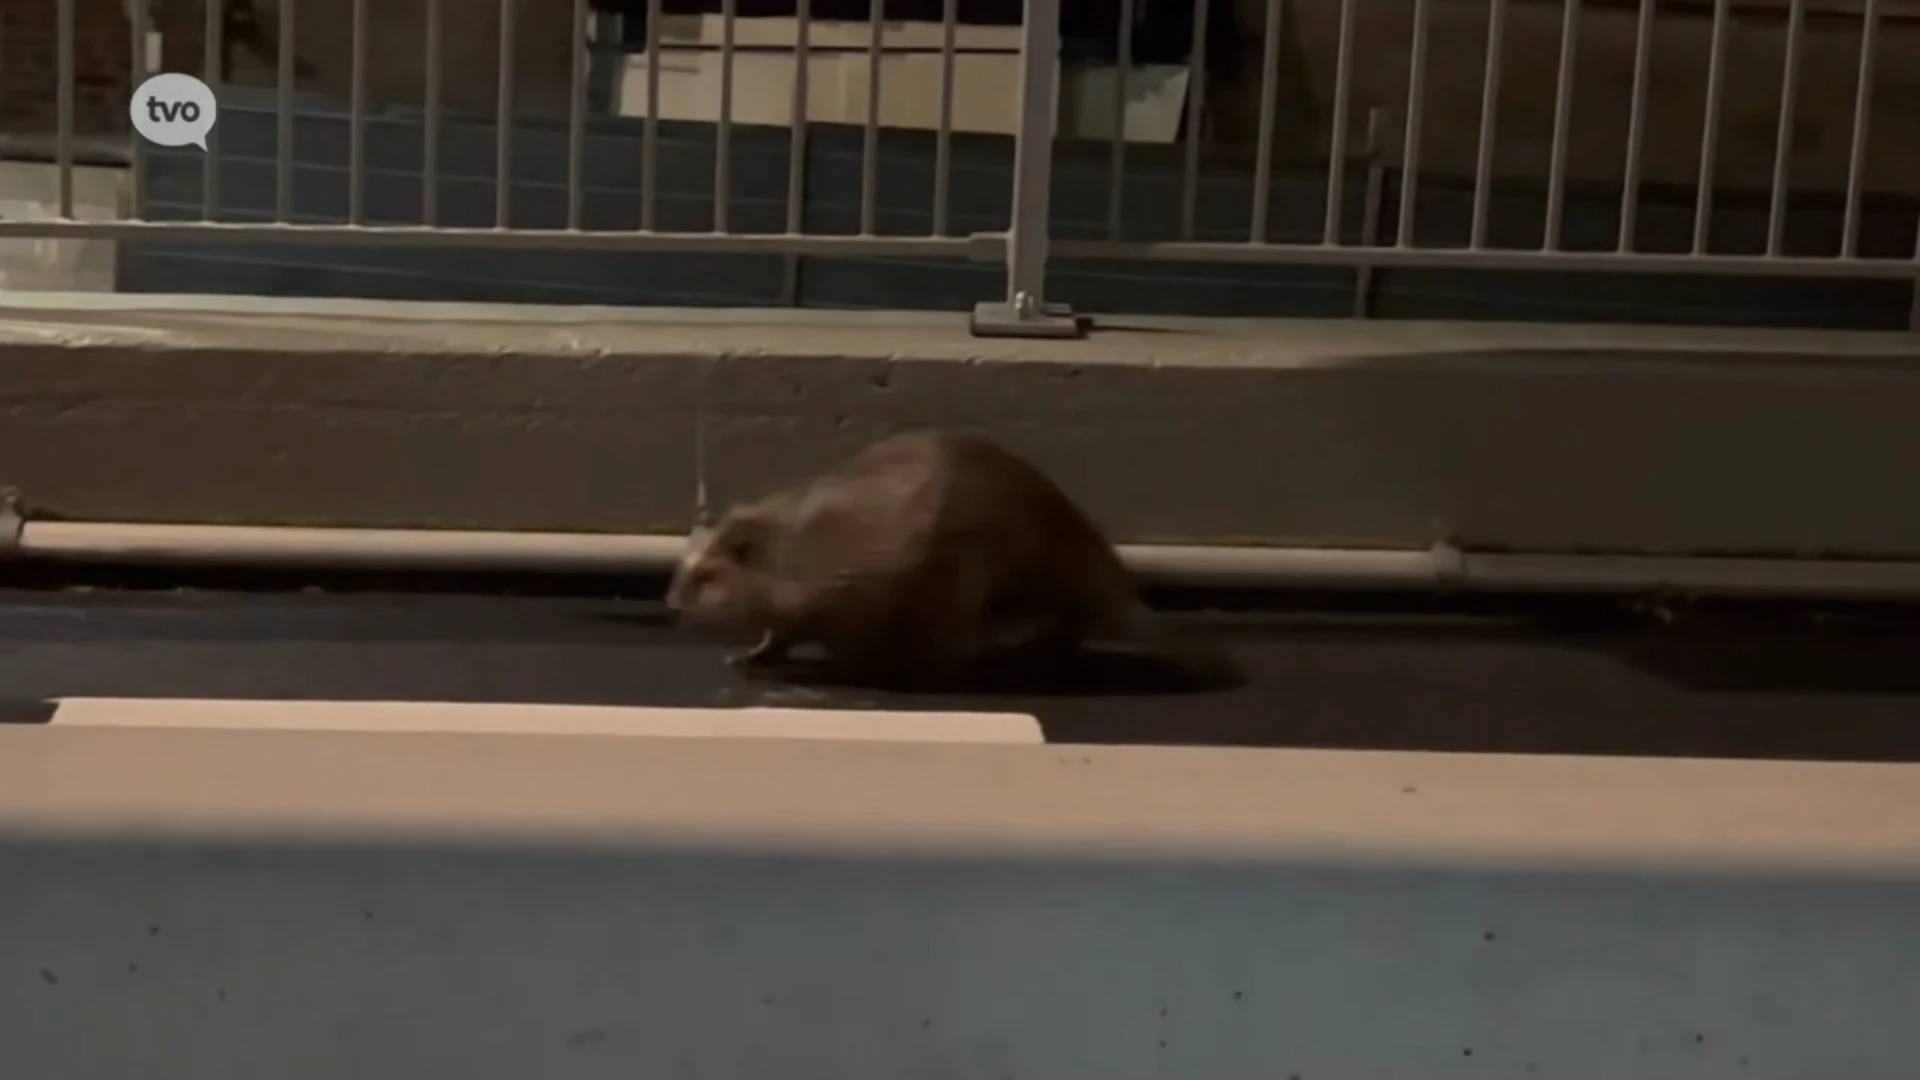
{"type": "Point", "coordinates": [1344, 434]}
{"type": "Point", "coordinates": [980, 191]}
{"type": "Point", "coordinates": [228, 905]}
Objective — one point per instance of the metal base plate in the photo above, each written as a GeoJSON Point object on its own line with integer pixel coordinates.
{"type": "Point", "coordinates": [1003, 320]}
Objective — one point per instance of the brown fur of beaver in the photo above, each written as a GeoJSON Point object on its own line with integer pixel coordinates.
{"type": "Point", "coordinates": [916, 560]}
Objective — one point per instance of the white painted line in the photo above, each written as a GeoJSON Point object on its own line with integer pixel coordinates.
{"type": "Point", "coordinates": [501, 718]}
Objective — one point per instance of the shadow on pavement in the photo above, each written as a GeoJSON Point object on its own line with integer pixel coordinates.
{"type": "Point", "coordinates": [1778, 686]}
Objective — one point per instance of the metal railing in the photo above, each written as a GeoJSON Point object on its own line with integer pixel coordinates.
{"type": "Point", "coordinates": [1319, 234]}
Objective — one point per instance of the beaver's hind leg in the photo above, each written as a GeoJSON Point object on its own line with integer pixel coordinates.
{"type": "Point", "coordinates": [771, 649]}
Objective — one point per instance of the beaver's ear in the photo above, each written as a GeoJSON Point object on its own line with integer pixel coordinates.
{"type": "Point", "coordinates": [709, 528]}
{"type": "Point", "coordinates": [745, 533]}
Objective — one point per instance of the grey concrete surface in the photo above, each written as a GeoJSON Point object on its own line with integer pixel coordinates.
{"type": "Point", "coordinates": [1504, 436]}
{"type": "Point", "coordinates": [226, 905]}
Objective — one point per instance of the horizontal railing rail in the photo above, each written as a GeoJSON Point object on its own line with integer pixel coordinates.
{"type": "Point", "coordinates": [1479, 146]}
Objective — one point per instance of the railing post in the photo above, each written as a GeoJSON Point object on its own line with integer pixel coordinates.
{"type": "Point", "coordinates": [1025, 312]}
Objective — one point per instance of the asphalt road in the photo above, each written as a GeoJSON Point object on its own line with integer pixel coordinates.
{"type": "Point", "coordinates": [1315, 681]}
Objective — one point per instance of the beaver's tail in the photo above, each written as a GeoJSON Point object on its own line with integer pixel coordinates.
{"type": "Point", "coordinates": [1201, 657]}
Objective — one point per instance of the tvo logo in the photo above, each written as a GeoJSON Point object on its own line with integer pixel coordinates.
{"type": "Point", "coordinates": [172, 109]}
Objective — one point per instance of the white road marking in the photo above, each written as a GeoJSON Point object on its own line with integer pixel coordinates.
{"type": "Point", "coordinates": [536, 719]}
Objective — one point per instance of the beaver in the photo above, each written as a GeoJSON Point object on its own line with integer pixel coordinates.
{"type": "Point", "coordinates": [916, 560]}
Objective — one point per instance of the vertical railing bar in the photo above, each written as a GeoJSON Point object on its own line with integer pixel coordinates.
{"type": "Point", "coordinates": [1337, 134]}
{"type": "Point", "coordinates": [1117, 149]}
{"type": "Point", "coordinates": [430, 148]}
{"type": "Point", "coordinates": [1783, 137]}
{"type": "Point", "coordinates": [140, 18]}
{"type": "Point", "coordinates": [943, 141]}
{"type": "Point", "coordinates": [503, 121]}
{"type": "Point", "coordinates": [1562, 122]}
{"type": "Point", "coordinates": [1489, 123]}
{"type": "Point", "coordinates": [577, 118]}
{"type": "Point", "coordinates": [791, 265]}
{"type": "Point", "coordinates": [1636, 134]}
{"type": "Point", "coordinates": [1913, 311]}
{"type": "Point", "coordinates": [650, 135]}
{"type": "Point", "coordinates": [1029, 221]}
{"type": "Point", "coordinates": [63, 104]}
{"type": "Point", "coordinates": [1196, 97]}
{"type": "Point", "coordinates": [723, 131]}
{"type": "Point", "coordinates": [797, 131]}
{"type": "Point", "coordinates": [1372, 201]}
{"type": "Point", "coordinates": [1269, 110]}
{"type": "Point", "coordinates": [1857, 141]}
{"type": "Point", "coordinates": [284, 63]}
{"type": "Point", "coordinates": [1710, 128]}
{"type": "Point", "coordinates": [1913, 304]}
{"type": "Point", "coordinates": [357, 116]}
{"type": "Point", "coordinates": [870, 138]}
{"type": "Point", "coordinates": [1416, 104]}
{"type": "Point", "coordinates": [212, 50]}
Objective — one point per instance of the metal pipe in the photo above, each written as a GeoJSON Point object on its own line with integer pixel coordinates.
{"type": "Point", "coordinates": [278, 547]}
{"type": "Point", "coordinates": [1269, 118]}
{"type": "Point", "coordinates": [1195, 117]}
{"type": "Point", "coordinates": [1489, 123]}
{"type": "Point", "coordinates": [943, 141]}
{"type": "Point", "coordinates": [650, 136]}
{"type": "Point", "coordinates": [1333, 223]}
{"type": "Point", "coordinates": [723, 131]}
{"type": "Point", "coordinates": [1029, 223]}
{"type": "Point", "coordinates": [577, 117]}
{"type": "Point", "coordinates": [1857, 144]}
{"type": "Point", "coordinates": [1562, 123]}
{"type": "Point", "coordinates": [284, 63]}
{"type": "Point", "coordinates": [1441, 567]}
{"type": "Point", "coordinates": [1416, 115]}
{"type": "Point", "coordinates": [213, 51]}
{"type": "Point", "coordinates": [870, 135]}
{"type": "Point", "coordinates": [142, 27]}
{"type": "Point", "coordinates": [1117, 148]}
{"type": "Point", "coordinates": [430, 133]}
{"type": "Point", "coordinates": [1779, 190]}
{"type": "Point", "coordinates": [503, 122]}
{"type": "Point", "coordinates": [1636, 128]}
{"type": "Point", "coordinates": [1710, 129]}
{"type": "Point", "coordinates": [64, 105]}
{"type": "Point", "coordinates": [357, 117]}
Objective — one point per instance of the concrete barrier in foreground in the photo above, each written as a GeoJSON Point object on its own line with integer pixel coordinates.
{"type": "Point", "coordinates": [310, 905]}
{"type": "Point", "coordinates": [1503, 438]}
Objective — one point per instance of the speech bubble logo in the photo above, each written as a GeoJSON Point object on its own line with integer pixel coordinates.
{"type": "Point", "coordinates": [172, 109]}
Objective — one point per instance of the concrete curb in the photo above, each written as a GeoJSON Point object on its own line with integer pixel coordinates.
{"type": "Point", "coordinates": [308, 905]}
{"type": "Point", "coordinates": [548, 720]}
{"type": "Point", "coordinates": [1502, 437]}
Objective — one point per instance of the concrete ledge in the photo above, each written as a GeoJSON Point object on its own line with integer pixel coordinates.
{"type": "Point", "coordinates": [1506, 437]}
{"type": "Point", "coordinates": [546, 719]}
{"type": "Point", "coordinates": [106, 780]}
{"type": "Point", "coordinates": [304, 905]}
